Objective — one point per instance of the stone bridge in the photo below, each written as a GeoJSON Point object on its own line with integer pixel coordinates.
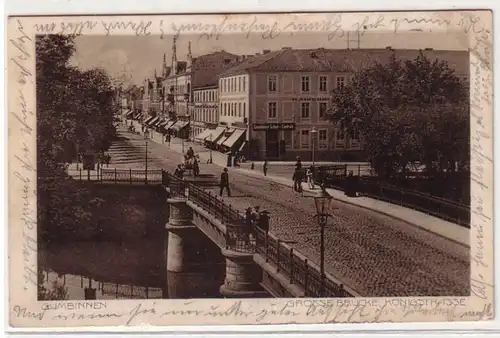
{"type": "Point", "coordinates": [257, 263]}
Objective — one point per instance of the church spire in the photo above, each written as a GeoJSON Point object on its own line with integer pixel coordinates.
{"type": "Point", "coordinates": [164, 66]}
{"type": "Point", "coordinates": [189, 57]}
{"type": "Point", "coordinates": [174, 55]}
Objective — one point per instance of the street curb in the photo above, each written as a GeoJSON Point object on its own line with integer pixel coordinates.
{"type": "Point", "coordinates": [246, 172]}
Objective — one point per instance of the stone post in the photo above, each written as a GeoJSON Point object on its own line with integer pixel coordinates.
{"type": "Point", "coordinates": [179, 228]}
{"type": "Point", "coordinates": [243, 276]}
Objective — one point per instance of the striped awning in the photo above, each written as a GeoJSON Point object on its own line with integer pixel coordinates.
{"type": "Point", "coordinates": [153, 121]}
{"type": "Point", "coordinates": [179, 125]}
{"type": "Point", "coordinates": [149, 119]}
{"type": "Point", "coordinates": [205, 134]}
{"type": "Point", "coordinates": [234, 138]}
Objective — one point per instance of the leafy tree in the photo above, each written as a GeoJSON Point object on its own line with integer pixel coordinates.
{"type": "Point", "coordinates": [408, 113]}
{"type": "Point", "coordinates": [74, 107]}
{"type": "Point", "coordinates": [57, 290]}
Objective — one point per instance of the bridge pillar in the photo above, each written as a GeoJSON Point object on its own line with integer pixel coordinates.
{"type": "Point", "coordinates": [192, 265]}
{"type": "Point", "coordinates": [243, 276]}
{"type": "Point", "coordinates": [181, 235]}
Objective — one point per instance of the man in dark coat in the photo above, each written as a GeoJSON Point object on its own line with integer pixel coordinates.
{"type": "Point", "coordinates": [263, 223]}
{"type": "Point", "coordinates": [297, 180]}
{"type": "Point", "coordinates": [224, 183]}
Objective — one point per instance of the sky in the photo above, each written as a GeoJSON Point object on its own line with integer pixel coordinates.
{"type": "Point", "coordinates": [135, 58]}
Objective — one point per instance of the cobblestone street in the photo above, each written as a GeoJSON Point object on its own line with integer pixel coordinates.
{"type": "Point", "coordinates": [374, 254]}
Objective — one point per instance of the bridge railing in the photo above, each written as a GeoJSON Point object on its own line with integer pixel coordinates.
{"type": "Point", "coordinates": [445, 209]}
{"type": "Point", "coordinates": [243, 238]}
{"type": "Point", "coordinates": [151, 176]}
{"type": "Point", "coordinates": [298, 269]}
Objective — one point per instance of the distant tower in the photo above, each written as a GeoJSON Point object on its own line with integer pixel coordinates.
{"type": "Point", "coordinates": [356, 40]}
{"type": "Point", "coordinates": [189, 57]}
{"type": "Point", "coordinates": [164, 66]}
{"type": "Point", "coordinates": [174, 55]}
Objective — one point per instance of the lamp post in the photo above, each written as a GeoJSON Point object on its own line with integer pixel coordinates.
{"type": "Point", "coordinates": [210, 159]}
{"type": "Point", "coordinates": [322, 202]}
{"type": "Point", "coordinates": [146, 136]}
{"type": "Point", "coordinates": [313, 134]}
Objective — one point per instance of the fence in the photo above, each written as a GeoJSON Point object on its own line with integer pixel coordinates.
{"type": "Point", "coordinates": [240, 238]}
{"type": "Point", "coordinates": [335, 177]}
{"type": "Point", "coordinates": [153, 176]}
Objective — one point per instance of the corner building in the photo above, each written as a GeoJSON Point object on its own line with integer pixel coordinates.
{"type": "Point", "coordinates": [278, 97]}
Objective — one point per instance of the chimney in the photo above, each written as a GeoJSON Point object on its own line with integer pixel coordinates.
{"type": "Point", "coordinates": [265, 51]}
{"type": "Point", "coordinates": [286, 48]}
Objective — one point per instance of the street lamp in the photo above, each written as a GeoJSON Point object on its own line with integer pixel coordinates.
{"type": "Point", "coordinates": [210, 147]}
{"type": "Point", "coordinates": [146, 136]}
{"type": "Point", "coordinates": [313, 134]}
{"type": "Point", "coordinates": [322, 202]}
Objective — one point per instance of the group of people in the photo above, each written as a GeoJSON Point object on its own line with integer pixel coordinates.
{"type": "Point", "coordinates": [255, 218]}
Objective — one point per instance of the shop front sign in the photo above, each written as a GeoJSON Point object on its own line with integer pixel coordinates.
{"type": "Point", "coordinates": [273, 126]}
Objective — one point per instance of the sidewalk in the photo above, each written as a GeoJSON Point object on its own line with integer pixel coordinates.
{"type": "Point", "coordinates": [429, 223]}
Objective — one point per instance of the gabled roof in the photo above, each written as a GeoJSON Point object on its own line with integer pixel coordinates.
{"type": "Point", "coordinates": [206, 68]}
{"type": "Point", "coordinates": [341, 60]}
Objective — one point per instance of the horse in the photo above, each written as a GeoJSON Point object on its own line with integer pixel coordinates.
{"type": "Point", "coordinates": [191, 164]}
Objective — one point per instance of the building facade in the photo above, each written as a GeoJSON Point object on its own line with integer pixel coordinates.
{"type": "Point", "coordinates": [205, 113]}
{"type": "Point", "coordinates": [281, 98]}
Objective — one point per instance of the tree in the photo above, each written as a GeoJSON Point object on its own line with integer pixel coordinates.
{"type": "Point", "coordinates": [407, 112]}
{"type": "Point", "coordinates": [73, 107]}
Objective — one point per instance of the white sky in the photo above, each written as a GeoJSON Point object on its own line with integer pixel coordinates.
{"type": "Point", "coordinates": [139, 56]}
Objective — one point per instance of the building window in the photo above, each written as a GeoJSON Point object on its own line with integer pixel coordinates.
{"type": "Point", "coordinates": [323, 139]}
{"type": "Point", "coordinates": [340, 134]}
{"type": "Point", "coordinates": [271, 83]}
{"type": "Point", "coordinates": [322, 110]}
{"type": "Point", "coordinates": [288, 134]}
{"type": "Point", "coordinates": [355, 134]}
{"type": "Point", "coordinates": [239, 109]}
{"type": "Point", "coordinates": [244, 106]}
{"type": "Point", "coordinates": [323, 84]}
{"type": "Point", "coordinates": [271, 110]}
{"type": "Point", "coordinates": [305, 84]}
{"type": "Point", "coordinates": [340, 81]}
{"type": "Point", "coordinates": [244, 83]}
{"type": "Point", "coordinates": [304, 110]}
{"type": "Point", "coordinates": [304, 138]}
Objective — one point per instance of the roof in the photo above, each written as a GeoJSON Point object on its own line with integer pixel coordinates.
{"type": "Point", "coordinates": [206, 68]}
{"type": "Point", "coordinates": [342, 60]}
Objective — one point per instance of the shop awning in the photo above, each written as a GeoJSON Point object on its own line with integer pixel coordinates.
{"type": "Point", "coordinates": [164, 123]}
{"type": "Point", "coordinates": [158, 123]}
{"type": "Point", "coordinates": [137, 116]}
{"type": "Point", "coordinates": [179, 125]}
{"type": "Point", "coordinates": [217, 133]}
{"type": "Point", "coordinates": [129, 114]}
{"type": "Point", "coordinates": [152, 121]}
{"type": "Point", "coordinates": [235, 136]}
{"type": "Point", "coordinates": [169, 125]}
{"type": "Point", "coordinates": [204, 134]}
{"type": "Point", "coordinates": [224, 137]}
{"type": "Point", "coordinates": [149, 119]}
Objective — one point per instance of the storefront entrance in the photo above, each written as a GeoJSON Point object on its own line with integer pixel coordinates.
{"type": "Point", "coordinates": [272, 143]}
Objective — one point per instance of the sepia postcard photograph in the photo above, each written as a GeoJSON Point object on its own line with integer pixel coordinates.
{"type": "Point", "coordinates": [250, 169]}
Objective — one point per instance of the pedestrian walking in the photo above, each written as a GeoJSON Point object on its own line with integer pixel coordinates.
{"type": "Point", "coordinates": [264, 167]}
{"type": "Point", "coordinates": [263, 223]}
{"type": "Point", "coordinates": [310, 178]}
{"type": "Point", "coordinates": [224, 183]}
{"type": "Point", "coordinates": [297, 180]}
{"type": "Point", "coordinates": [298, 164]}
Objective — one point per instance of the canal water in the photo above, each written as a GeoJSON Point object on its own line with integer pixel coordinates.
{"type": "Point", "coordinates": [124, 254]}
{"type": "Point", "coordinates": [135, 270]}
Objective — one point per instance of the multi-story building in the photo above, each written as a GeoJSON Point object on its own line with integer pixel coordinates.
{"type": "Point", "coordinates": [181, 79]}
{"type": "Point", "coordinates": [205, 112]}
{"type": "Point", "coordinates": [276, 102]}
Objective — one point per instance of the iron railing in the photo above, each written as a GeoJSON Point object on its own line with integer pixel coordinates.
{"type": "Point", "coordinates": [449, 210]}
{"type": "Point", "coordinates": [151, 176]}
{"type": "Point", "coordinates": [243, 238]}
